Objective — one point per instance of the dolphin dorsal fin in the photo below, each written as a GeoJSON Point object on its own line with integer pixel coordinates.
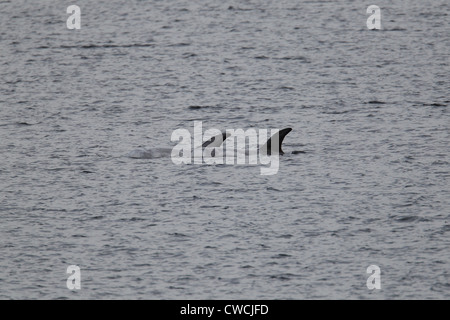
{"type": "Point", "coordinates": [216, 141]}
{"type": "Point", "coordinates": [276, 138]}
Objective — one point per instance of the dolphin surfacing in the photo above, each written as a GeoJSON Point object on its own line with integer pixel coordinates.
{"type": "Point", "coordinates": [277, 140]}
{"type": "Point", "coordinates": [155, 153]}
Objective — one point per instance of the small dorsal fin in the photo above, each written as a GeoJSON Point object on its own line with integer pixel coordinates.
{"type": "Point", "coordinates": [216, 141]}
{"type": "Point", "coordinates": [267, 147]}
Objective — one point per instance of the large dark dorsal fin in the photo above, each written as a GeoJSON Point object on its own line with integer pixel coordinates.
{"type": "Point", "coordinates": [267, 147]}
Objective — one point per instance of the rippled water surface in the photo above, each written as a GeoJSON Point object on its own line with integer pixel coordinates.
{"type": "Point", "coordinates": [368, 108]}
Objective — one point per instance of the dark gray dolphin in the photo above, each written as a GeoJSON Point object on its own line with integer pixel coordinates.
{"type": "Point", "coordinates": [277, 140]}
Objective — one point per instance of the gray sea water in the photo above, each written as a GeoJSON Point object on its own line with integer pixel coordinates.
{"type": "Point", "coordinates": [369, 108]}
